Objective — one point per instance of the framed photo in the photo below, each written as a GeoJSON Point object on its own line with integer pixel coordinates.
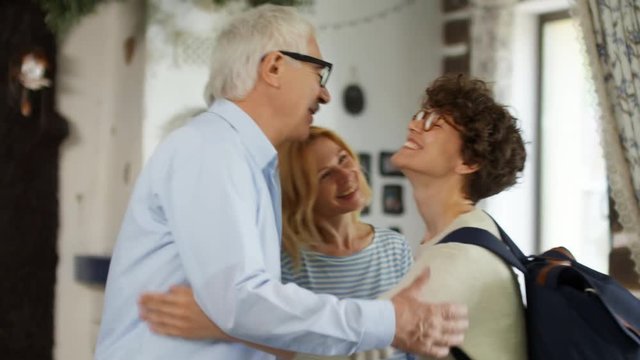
{"type": "Point", "coordinates": [392, 199]}
{"type": "Point", "coordinates": [365, 163]}
{"type": "Point", "coordinates": [386, 168]}
{"type": "Point", "coordinates": [396, 229]}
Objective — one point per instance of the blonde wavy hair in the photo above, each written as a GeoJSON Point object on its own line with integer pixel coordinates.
{"type": "Point", "coordinates": [299, 180]}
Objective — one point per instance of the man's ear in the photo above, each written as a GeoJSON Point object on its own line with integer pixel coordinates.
{"type": "Point", "coordinates": [464, 169]}
{"type": "Point", "coordinates": [271, 68]}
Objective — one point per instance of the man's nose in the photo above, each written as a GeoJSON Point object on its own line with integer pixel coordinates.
{"type": "Point", "coordinates": [324, 96]}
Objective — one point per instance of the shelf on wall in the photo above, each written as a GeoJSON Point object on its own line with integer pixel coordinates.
{"type": "Point", "coordinates": [91, 269]}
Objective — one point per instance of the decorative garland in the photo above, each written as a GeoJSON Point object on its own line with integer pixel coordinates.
{"type": "Point", "coordinates": [260, 2]}
{"type": "Point", "coordinates": [369, 18]}
{"type": "Point", "coordinates": [190, 49]}
{"type": "Point", "coordinates": [62, 15]}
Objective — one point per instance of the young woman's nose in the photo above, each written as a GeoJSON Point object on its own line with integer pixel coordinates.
{"type": "Point", "coordinates": [415, 125]}
{"type": "Point", "coordinates": [344, 176]}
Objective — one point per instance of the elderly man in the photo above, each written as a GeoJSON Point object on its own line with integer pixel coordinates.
{"type": "Point", "coordinates": [206, 212]}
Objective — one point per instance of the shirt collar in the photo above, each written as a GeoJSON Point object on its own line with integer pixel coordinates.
{"type": "Point", "coordinates": [252, 137]}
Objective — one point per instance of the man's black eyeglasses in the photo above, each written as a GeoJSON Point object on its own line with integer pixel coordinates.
{"type": "Point", "coordinates": [326, 66]}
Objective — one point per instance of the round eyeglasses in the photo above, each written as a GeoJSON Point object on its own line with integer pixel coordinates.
{"type": "Point", "coordinates": [431, 117]}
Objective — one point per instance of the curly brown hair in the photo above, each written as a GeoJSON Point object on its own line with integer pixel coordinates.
{"type": "Point", "coordinates": [490, 138]}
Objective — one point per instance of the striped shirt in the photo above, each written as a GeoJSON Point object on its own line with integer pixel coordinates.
{"type": "Point", "coordinates": [363, 275]}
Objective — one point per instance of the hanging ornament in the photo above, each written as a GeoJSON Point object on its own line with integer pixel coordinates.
{"type": "Point", "coordinates": [32, 77]}
{"type": "Point", "coordinates": [353, 96]}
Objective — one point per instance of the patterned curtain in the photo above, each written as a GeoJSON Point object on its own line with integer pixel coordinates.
{"type": "Point", "coordinates": [491, 49]}
{"type": "Point", "coordinates": [611, 30]}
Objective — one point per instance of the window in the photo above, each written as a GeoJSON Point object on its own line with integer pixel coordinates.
{"type": "Point", "coordinates": [572, 201]}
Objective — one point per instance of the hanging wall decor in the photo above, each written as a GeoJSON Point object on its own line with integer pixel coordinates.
{"type": "Point", "coordinates": [386, 167]}
{"type": "Point", "coordinates": [353, 99]}
{"type": "Point", "coordinates": [365, 165]}
{"type": "Point", "coordinates": [31, 75]}
{"type": "Point", "coordinates": [392, 202]}
{"type": "Point", "coordinates": [396, 229]}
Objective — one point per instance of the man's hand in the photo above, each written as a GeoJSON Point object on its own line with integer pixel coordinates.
{"type": "Point", "coordinates": [176, 313]}
{"type": "Point", "coordinates": [423, 328]}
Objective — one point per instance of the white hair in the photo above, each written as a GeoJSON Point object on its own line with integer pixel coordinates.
{"type": "Point", "coordinates": [243, 43]}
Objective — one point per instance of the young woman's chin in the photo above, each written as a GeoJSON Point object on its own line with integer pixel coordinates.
{"type": "Point", "coordinates": [341, 206]}
{"type": "Point", "coordinates": [352, 202]}
{"type": "Point", "coordinates": [400, 158]}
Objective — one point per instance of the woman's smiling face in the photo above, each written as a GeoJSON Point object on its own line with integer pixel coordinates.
{"type": "Point", "coordinates": [339, 179]}
{"type": "Point", "coordinates": [433, 146]}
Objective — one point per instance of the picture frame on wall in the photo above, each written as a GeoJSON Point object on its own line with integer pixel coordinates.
{"type": "Point", "coordinates": [392, 202]}
{"type": "Point", "coordinates": [396, 229]}
{"type": "Point", "coordinates": [365, 163]}
{"type": "Point", "coordinates": [386, 167]}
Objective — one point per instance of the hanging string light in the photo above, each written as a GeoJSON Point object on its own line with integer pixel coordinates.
{"type": "Point", "coordinates": [367, 19]}
{"type": "Point", "coordinates": [195, 50]}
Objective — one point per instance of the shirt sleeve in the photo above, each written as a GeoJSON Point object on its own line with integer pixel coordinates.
{"type": "Point", "coordinates": [211, 204]}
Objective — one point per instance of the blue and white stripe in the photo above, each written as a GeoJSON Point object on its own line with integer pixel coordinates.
{"type": "Point", "coordinates": [363, 275]}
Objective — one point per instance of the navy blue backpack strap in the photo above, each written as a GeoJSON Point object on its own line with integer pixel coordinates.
{"type": "Point", "coordinates": [507, 240]}
{"type": "Point", "coordinates": [505, 249]}
{"type": "Point", "coordinates": [459, 354]}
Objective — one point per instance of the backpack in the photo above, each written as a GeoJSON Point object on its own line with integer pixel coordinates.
{"type": "Point", "coordinates": [572, 312]}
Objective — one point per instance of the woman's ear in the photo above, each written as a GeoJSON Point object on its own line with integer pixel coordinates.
{"type": "Point", "coordinates": [271, 69]}
{"type": "Point", "coordinates": [465, 169]}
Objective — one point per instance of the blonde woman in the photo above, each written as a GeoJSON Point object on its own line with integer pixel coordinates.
{"type": "Point", "coordinates": [327, 249]}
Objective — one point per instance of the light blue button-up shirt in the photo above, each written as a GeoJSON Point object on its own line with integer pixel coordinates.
{"type": "Point", "coordinates": [206, 212]}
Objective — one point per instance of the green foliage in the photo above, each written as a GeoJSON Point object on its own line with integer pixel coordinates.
{"type": "Point", "coordinates": [61, 15]}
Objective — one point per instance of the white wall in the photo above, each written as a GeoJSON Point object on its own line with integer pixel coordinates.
{"type": "Point", "coordinates": [101, 96]}
{"type": "Point", "coordinates": [393, 59]}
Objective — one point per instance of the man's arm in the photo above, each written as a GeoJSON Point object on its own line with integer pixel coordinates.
{"type": "Point", "coordinates": [176, 313]}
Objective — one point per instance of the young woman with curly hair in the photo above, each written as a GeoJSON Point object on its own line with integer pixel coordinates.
{"type": "Point", "coordinates": [463, 147]}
